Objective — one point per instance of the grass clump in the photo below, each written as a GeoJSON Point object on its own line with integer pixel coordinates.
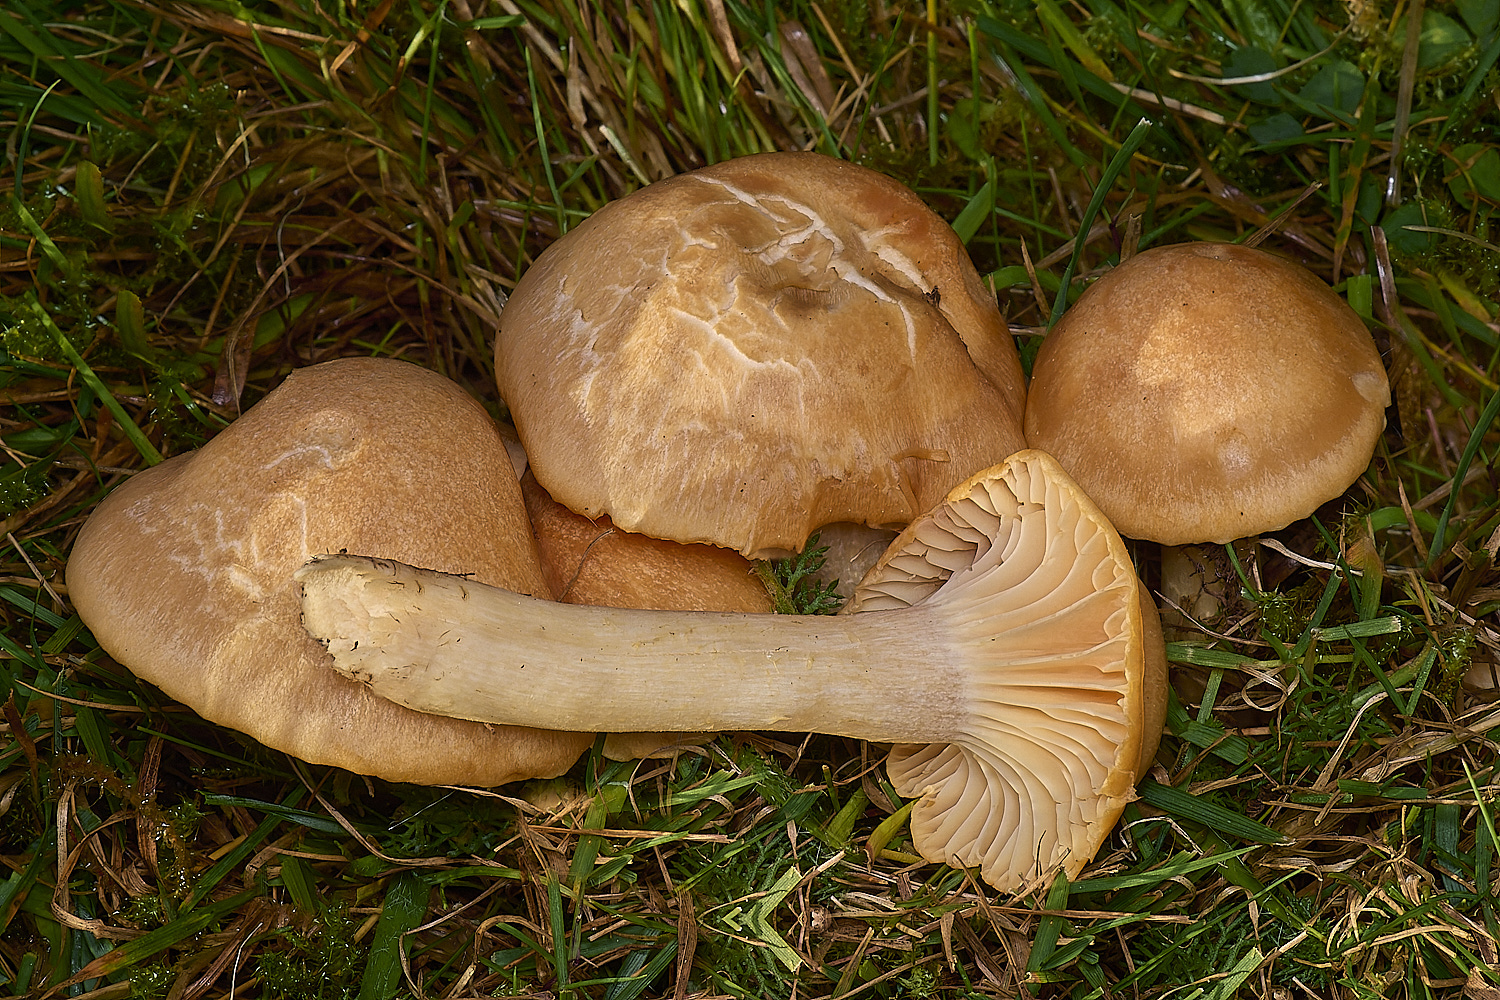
{"type": "Point", "coordinates": [201, 197]}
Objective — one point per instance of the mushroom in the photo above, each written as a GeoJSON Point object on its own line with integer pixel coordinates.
{"type": "Point", "coordinates": [743, 353]}
{"type": "Point", "coordinates": [1206, 392]}
{"type": "Point", "coordinates": [184, 572]}
{"type": "Point", "coordinates": [1002, 641]}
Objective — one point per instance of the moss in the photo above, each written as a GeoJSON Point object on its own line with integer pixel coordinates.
{"type": "Point", "coordinates": [318, 961]}
{"type": "Point", "coordinates": [172, 142]}
{"type": "Point", "coordinates": [152, 982]}
{"type": "Point", "coordinates": [732, 965]}
{"type": "Point", "coordinates": [1456, 648]}
{"type": "Point", "coordinates": [20, 487]}
{"type": "Point", "coordinates": [1283, 615]}
{"type": "Point", "coordinates": [437, 822]}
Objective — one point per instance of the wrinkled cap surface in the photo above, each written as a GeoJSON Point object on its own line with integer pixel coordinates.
{"type": "Point", "coordinates": [1205, 392]}
{"type": "Point", "coordinates": [740, 354]}
{"type": "Point", "coordinates": [1068, 673]}
{"type": "Point", "coordinates": [184, 573]}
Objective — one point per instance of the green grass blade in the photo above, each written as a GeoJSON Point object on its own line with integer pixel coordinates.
{"type": "Point", "coordinates": [644, 973]}
{"type": "Point", "coordinates": [556, 923]}
{"type": "Point", "coordinates": [127, 425]}
{"type": "Point", "coordinates": [1050, 928]}
{"type": "Point", "coordinates": [297, 876]}
{"type": "Point", "coordinates": [49, 247]}
{"type": "Point", "coordinates": [541, 142]}
{"type": "Point", "coordinates": [886, 831]}
{"type": "Point", "coordinates": [402, 909]}
{"type": "Point", "coordinates": [1185, 805]}
{"type": "Point", "coordinates": [1387, 625]}
{"type": "Point", "coordinates": [15, 888]}
{"type": "Point", "coordinates": [1476, 440]}
{"type": "Point", "coordinates": [49, 51]}
{"type": "Point", "coordinates": [210, 879]}
{"type": "Point", "coordinates": [31, 607]}
{"type": "Point", "coordinates": [934, 124]}
{"type": "Point", "coordinates": [1228, 987]}
{"type": "Point", "coordinates": [1038, 101]}
{"type": "Point", "coordinates": [1177, 867]}
{"type": "Point", "coordinates": [1481, 70]}
{"type": "Point", "coordinates": [975, 213]}
{"type": "Point", "coordinates": [285, 811]}
{"type": "Point", "coordinates": [1116, 167]}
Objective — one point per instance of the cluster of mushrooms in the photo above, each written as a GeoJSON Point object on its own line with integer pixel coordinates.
{"type": "Point", "coordinates": [707, 372]}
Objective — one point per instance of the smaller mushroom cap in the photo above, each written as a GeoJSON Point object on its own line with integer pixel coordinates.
{"type": "Point", "coordinates": [740, 354]}
{"type": "Point", "coordinates": [594, 562]}
{"type": "Point", "coordinates": [184, 572]}
{"type": "Point", "coordinates": [1205, 392]}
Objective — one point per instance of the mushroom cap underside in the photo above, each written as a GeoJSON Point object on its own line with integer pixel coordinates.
{"type": "Point", "coordinates": [740, 354]}
{"type": "Point", "coordinates": [1204, 392]}
{"type": "Point", "coordinates": [1065, 712]}
{"type": "Point", "coordinates": [184, 572]}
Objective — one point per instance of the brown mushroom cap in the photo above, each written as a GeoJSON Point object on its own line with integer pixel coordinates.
{"type": "Point", "coordinates": [1204, 392]}
{"type": "Point", "coordinates": [593, 562]}
{"type": "Point", "coordinates": [740, 354]}
{"type": "Point", "coordinates": [184, 573]}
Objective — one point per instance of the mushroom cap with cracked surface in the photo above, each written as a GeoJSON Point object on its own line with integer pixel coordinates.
{"type": "Point", "coordinates": [743, 353]}
{"type": "Point", "coordinates": [1204, 392]}
{"type": "Point", "coordinates": [184, 572]}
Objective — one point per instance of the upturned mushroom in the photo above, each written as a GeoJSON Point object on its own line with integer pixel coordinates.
{"type": "Point", "coordinates": [1003, 642]}
{"type": "Point", "coordinates": [184, 572]}
{"type": "Point", "coordinates": [741, 354]}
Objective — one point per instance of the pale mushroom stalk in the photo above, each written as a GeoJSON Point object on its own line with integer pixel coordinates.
{"type": "Point", "coordinates": [490, 655]}
{"type": "Point", "coordinates": [1001, 643]}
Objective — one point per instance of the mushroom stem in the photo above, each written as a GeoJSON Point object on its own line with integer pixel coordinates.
{"type": "Point", "coordinates": [1198, 582]}
{"type": "Point", "coordinates": [448, 646]}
